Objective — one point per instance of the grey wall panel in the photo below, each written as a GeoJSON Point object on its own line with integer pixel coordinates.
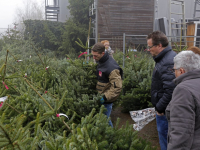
{"type": "Point", "coordinates": [64, 11]}
{"type": "Point", "coordinates": [163, 9]}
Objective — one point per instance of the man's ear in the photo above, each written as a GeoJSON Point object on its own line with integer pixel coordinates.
{"type": "Point", "coordinates": [160, 45]}
{"type": "Point", "coordinates": [182, 70]}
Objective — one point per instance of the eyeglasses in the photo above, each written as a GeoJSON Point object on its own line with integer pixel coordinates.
{"type": "Point", "coordinates": [173, 70]}
{"type": "Point", "coordinates": [149, 47]}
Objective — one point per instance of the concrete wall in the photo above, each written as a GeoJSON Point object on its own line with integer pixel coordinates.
{"type": "Point", "coordinates": [64, 11]}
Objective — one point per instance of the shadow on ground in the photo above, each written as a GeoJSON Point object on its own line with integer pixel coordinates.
{"type": "Point", "coordinates": [149, 132]}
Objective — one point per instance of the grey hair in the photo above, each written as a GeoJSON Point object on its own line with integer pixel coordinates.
{"type": "Point", "coordinates": [187, 60]}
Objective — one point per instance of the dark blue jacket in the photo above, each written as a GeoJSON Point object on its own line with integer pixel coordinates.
{"type": "Point", "coordinates": [162, 79]}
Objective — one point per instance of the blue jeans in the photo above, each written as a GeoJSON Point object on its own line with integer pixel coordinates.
{"type": "Point", "coordinates": [162, 127]}
{"type": "Point", "coordinates": [108, 112]}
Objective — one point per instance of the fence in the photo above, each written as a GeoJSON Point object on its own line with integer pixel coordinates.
{"type": "Point", "coordinates": [139, 42]}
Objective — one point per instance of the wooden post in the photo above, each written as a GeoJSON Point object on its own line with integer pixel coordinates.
{"type": "Point", "coordinates": [190, 32]}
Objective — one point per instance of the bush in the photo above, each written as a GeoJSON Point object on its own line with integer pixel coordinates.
{"type": "Point", "coordinates": [136, 81]}
{"type": "Point", "coordinates": [52, 86]}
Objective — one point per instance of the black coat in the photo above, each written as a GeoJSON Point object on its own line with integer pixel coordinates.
{"type": "Point", "coordinates": [162, 79]}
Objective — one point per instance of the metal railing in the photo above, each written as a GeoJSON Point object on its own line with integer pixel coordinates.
{"type": "Point", "coordinates": [178, 40]}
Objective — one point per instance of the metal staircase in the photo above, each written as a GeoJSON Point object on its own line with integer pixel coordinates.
{"type": "Point", "coordinates": [52, 10]}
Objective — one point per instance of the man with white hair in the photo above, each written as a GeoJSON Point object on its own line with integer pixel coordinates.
{"type": "Point", "coordinates": [183, 111]}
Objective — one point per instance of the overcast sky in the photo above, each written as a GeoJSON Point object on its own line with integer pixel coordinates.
{"type": "Point", "coordinates": [7, 11]}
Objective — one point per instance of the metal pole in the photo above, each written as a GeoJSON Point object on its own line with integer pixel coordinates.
{"type": "Point", "coordinates": [195, 33]}
{"type": "Point", "coordinates": [170, 27]}
{"type": "Point", "coordinates": [124, 38]}
{"type": "Point", "coordinates": [59, 10]}
{"type": "Point", "coordinates": [88, 51]}
{"type": "Point", "coordinates": [96, 25]}
{"type": "Point", "coordinates": [45, 10]}
{"type": "Point", "coordinates": [155, 12]}
{"type": "Point", "coordinates": [195, 4]}
{"type": "Point", "coordinates": [184, 23]}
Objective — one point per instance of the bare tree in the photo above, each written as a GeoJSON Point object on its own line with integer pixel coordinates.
{"type": "Point", "coordinates": [32, 9]}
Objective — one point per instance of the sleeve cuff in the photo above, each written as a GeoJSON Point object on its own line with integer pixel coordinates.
{"type": "Point", "coordinates": [104, 97]}
{"type": "Point", "coordinates": [159, 110]}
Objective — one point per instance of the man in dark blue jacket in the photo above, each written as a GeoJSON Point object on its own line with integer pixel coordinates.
{"type": "Point", "coordinates": [162, 80]}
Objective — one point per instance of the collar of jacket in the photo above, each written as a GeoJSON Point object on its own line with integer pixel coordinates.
{"type": "Point", "coordinates": [104, 58]}
{"type": "Point", "coordinates": [187, 76]}
{"type": "Point", "coordinates": [162, 53]}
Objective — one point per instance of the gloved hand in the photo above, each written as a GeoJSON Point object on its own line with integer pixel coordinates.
{"type": "Point", "coordinates": [102, 100]}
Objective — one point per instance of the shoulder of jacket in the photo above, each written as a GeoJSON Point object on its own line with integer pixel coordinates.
{"type": "Point", "coordinates": [114, 73]}
{"type": "Point", "coordinates": [171, 54]}
{"type": "Point", "coordinates": [167, 60]}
